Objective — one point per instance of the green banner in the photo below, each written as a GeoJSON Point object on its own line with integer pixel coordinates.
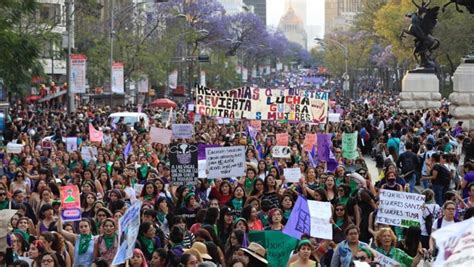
{"type": "Point", "coordinates": [349, 145]}
{"type": "Point", "coordinates": [277, 244]}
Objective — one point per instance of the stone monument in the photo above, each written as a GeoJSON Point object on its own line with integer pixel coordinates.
{"type": "Point", "coordinates": [462, 97]}
{"type": "Point", "coordinates": [420, 87]}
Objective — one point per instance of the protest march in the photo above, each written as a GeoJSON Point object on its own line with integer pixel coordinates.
{"type": "Point", "coordinates": [249, 177]}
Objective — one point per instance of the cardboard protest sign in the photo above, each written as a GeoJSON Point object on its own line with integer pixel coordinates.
{"type": "Point", "coordinates": [400, 208]}
{"type": "Point", "coordinates": [455, 243]}
{"type": "Point", "coordinates": [71, 144]}
{"type": "Point", "coordinates": [292, 175]}
{"type": "Point", "coordinates": [282, 139]}
{"type": "Point", "coordinates": [310, 217]}
{"type": "Point", "coordinates": [225, 162]}
{"type": "Point", "coordinates": [14, 148]}
{"type": "Point", "coordinates": [161, 136]}
{"type": "Point", "coordinates": [279, 246]}
{"type": "Point", "coordinates": [182, 131]}
{"type": "Point", "coordinates": [283, 152]}
{"type": "Point", "coordinates": [95, 135]}
{"type": "Point", "coordinates": [349, 145]}
{"type": "Point", "coordinates": [70, 203]}
{"type": "Point", "coordinates": [129, 224]}
{"type": "Point", "coordinates": [183, 162]}
{"type": "Point", "coordinates": [309, 142]}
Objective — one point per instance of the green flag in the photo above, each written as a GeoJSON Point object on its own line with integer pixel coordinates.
{"type": "Point", "coordinates": [349, 145]}
{"type": "Point", "coordinates": [277, 244]}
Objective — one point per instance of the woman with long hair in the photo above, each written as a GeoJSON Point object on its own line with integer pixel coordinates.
{"type": "Point", "coordinates": [250, 213]}
{"type": "Point", "coordinates": [46, 218]}
{"type": "Point", "coordinates": [271, 190]}
{"type": "Point", "coordinates": [257, 188]}
{"type": "Point", "coordinates": [411, 243]}
{"type": "Point", "coordinates": [222, 191]}
{"type": "Point", "coordinates": [236, 203]}
{"type": "Point", "coordinates": [261, 169]}
{"type": "Point", "coordinates": [138, 259]}
{"type": "Point", "coordinates": [146, 240]}
{"type": "Point", "coordinates": [341, 221]}
{"type": "Point", "coordinates": [330, 187]}
{"type": "Point", "coordinates": [37, 249]}
{"type": "Point", "coordinates": [149, 192]}
{"type": "Point", "coordinates": [83, 242]}
{"type": "Point", "coordinates": [225, 224]}
{"type": "Point", "coordinates": [106, 245]}
{"type": "Point", "coordinates": [234, 243]}
{"type": "Point", "coordinates": [87, 206]}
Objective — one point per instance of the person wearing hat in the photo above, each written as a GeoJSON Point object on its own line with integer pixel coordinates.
{"type": "Point", "coordinates": [190, 209]}
{"type": "Point", "coordinates": [255, 254]}
{"type": "Point", "coordinates": [304, 251]}
{"type": "Point", "coordinates": [201, 250]}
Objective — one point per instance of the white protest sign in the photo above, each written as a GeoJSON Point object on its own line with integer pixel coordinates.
{"type": "Point", "coordinates": [202, 168]}
{"type": "Point", "coordinates": [281, 152]}
{"type": "Point", "coordinates": [455, 243]}
{"type": "Point", "coordinates": [223, 120]}
{"type": "Point", "coordinates": [88, 152]}
{"type": "Point", "coordinates": [334, 117]}
{"type": "Point", "coordinates": [161, 136]}
{"type": "Point", "coordinates": [225, 162]}
{"type": "Point", "coordinates": [129, 224]}
{"type": "Point", "coordinates": [138, 189]}
{"type": "Point", "coordinates": [182, 131]}
{"type": "Point", "coordinates": [14, 148]}
{"type": "Point", "coordinates": [385, 261]}
{"type": "Point", "coordinates": [320, 213]}
{"type": "Point", "coordinates": [292, 175]}
{"type": "Point", "coordinates": [400, 208]}
{"type": "Point", "coordinates": [71, 144]}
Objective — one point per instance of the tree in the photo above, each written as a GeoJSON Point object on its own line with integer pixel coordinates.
{"type": "Point", "coordinates": [20, 40]}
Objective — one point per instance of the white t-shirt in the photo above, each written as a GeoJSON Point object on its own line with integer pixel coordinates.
{"type": "Point", "coordinates": [432, 208]}
{"type": "Point", "coordinates": [444, 223]}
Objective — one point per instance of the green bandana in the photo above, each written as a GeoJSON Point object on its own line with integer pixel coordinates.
{"type": "Point", "coordinates": [148, 243]}
{"type": "Point", "coordinates": [339, 222]}
{"type": "Point", "coordinates": [237, 203]}
{"type": "Point", "coordinates": [161, 217]}
{"type": "Point", "coordinates": [109, 240]}
{"type": "Point", "coordinates": [4, 205]}
{"type": "Point", "coordinates": [84, 242]}
{"type": "Point", "coordinates": [249, 184]}
{"type": "Point", "coordinates": [143, 170]}
{"type": "Point", "coordinates": [23, 234]}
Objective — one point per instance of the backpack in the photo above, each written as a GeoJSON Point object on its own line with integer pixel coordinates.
{"type": "Point", "coordinates": [429, 219]}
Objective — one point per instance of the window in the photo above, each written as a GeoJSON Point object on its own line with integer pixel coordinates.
{"type": "Point", "coordinates": [49, 13]}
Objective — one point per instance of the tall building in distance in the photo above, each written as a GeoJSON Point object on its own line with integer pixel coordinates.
{"type": "Point", "coordinates": [293, 27]}
{"type": "Point", "coordinates": [340, 14]}
{"type": "Point", "coordinates": [299, 6]}
{"type": "Point", "coordinates": [259, 7]}
{"type": "Point", "coordinates": [232, 6]}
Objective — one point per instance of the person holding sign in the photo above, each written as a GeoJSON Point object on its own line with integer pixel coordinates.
{"type": "Point", "coordinates": [386, 242]}
{"type": "Point", "coordinates": [83, 242]}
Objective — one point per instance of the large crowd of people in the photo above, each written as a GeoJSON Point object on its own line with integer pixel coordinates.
{"type": "Point", "coordinates": [207, 223]}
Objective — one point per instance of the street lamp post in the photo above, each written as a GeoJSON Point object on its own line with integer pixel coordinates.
{"type": "Point", "coordinates": [69, 28]}
{"type": "Point", "coordinates": [345, 76]}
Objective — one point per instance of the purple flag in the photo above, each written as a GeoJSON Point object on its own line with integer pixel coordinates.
{"type": "Point", "coordinates": [311, 160]}
{"type": "Point", "coordinates": [324, 151]}
{"type": "Point", "coordinates": [253, 134]}
{"type": "Point", "coordinates": [127, 150]}
{"type": "Point", "coordinates": [202, 151]}
{"type": "Point", "coordinates": [300, 220]}
{"type": "Point", "coordinates": [260, 151]}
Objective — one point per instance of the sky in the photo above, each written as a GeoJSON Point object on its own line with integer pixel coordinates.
{"type": "Point", "coordinates": [314, 15]}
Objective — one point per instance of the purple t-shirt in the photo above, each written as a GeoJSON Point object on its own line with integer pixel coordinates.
{"type": "Point", "coordinates": [469, 177]}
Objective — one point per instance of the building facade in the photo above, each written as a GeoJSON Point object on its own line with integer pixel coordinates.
{"type": "Point", "coordinates": [340, 14]}
{"type": "Point", "coordinates": [293, 28]}
{"type": "Point", "coordinates": [259, 7]}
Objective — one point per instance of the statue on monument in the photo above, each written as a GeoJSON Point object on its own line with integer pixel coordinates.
{"type": "Point", "coordinates": [422, 24]}
{"type": "Point", "coordinates": [469, 4]}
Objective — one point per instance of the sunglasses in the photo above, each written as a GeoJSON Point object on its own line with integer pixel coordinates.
{"type": "Point", "coordinates": [339, 209]}
{"type": "Point", "coordinates": [3, 194]}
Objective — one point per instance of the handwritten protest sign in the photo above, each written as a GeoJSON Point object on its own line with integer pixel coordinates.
{"type": "Point", "coordinates": [263, 104]}
{"type": "Point", "coordinates": [292, 175]}
{"type": "Point", "coordinates": [14, 148]}
{"type": "Point", "coordinates": [334, 117]}
{"type": "Point", "coordinates": [225, 162]}
{"type": "Point", "coordinates": [310, 217]}
{"type": "Point", "coordinates": [282, 139]}
{"type": "Point", "coordinates": [184, 163]}
{"type": "Point", "coordinates": [278, 245]}
{"type": "Point", "coordinates": [281, 152]}
{"type": "Point", "coordinates": [309, 142]}
{"type": "Point", "coordinates": [455, 243]}
{"type": "Point", "coordinates": [161, 136]}
{"type": "Point", "coordinates": [70, 203]}
{"type": "Point", "coordinates": [349, 145]}
{"type": "Point", "coordinates": [183, 131]}
{"type": "Point", "coordinates": [71, 144]}
{"type": "Point", "coordinates": [400, 208]}
{"type": "Point", "coordinates": [129, 224]}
